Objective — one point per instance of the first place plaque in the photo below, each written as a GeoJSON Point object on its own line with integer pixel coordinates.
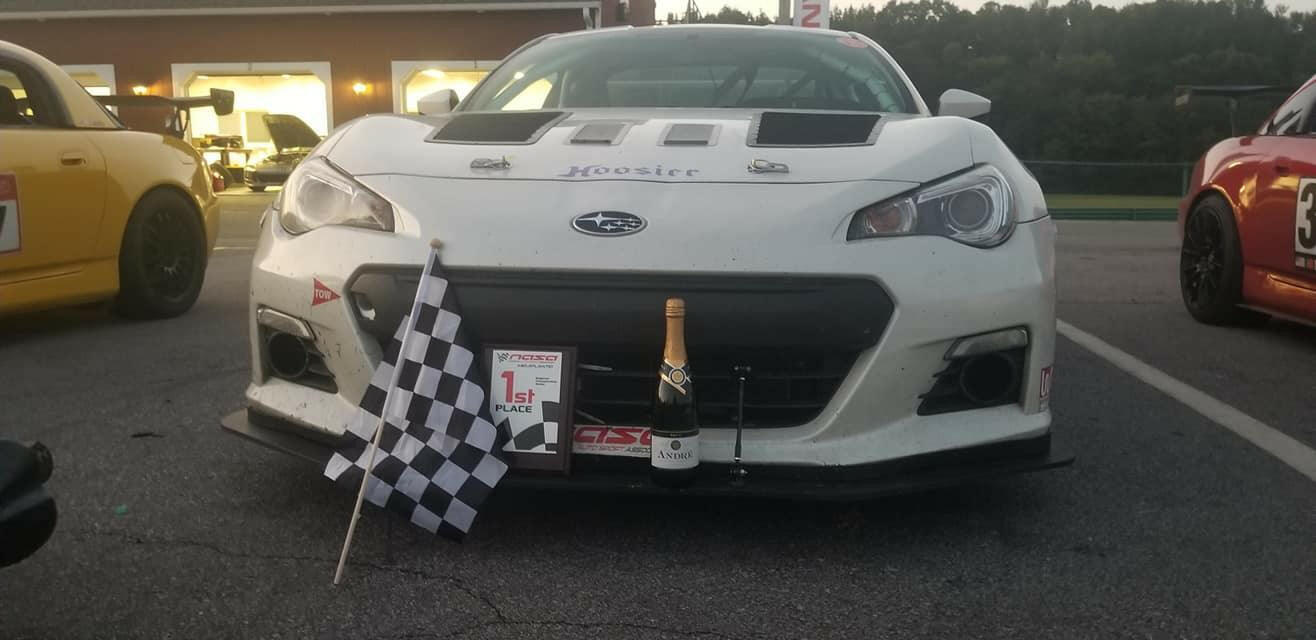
{"type": "Point", "coordinates": [530, 396]}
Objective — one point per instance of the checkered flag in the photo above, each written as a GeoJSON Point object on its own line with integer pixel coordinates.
{"type": "Point", "coordinates": [439, 454]}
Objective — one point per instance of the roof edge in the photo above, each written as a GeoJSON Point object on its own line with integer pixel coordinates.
{"type": "Point", "coordinates": [291, 10]}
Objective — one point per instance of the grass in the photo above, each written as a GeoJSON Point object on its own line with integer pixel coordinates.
{"type": "Point", "coordinates": [1084, 201]}
{"type": "Point", "coordinates": [1072, 206]}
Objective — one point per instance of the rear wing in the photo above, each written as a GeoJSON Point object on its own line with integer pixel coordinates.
{"type": "Point", "coordinates": [220, 99]}
{"type": "Point", "coordinates": [1184, 93]}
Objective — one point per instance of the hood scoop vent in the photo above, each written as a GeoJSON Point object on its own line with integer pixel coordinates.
{"type": "Point", "coordinates": [514, 127]}
{"type": "Point", "coordinates": [690, 135]}
{"type": "Point", "coordinates": [818, 129]}
{"type": "Point", "coordinates": [600, 133]}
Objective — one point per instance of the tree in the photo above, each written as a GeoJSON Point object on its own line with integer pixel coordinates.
{"type": "Point", "coordinates": [1084, 81]}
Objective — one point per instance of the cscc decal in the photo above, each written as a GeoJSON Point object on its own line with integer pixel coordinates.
{"type": "Point", "coordinates": [607, 440]}
{"type": "Point", "coordinates": [11, 232]}
{"type": "Point", "coordinates": [321, 293]}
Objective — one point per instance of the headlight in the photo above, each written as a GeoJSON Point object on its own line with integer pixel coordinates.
{"type": "Point", "coordinates": [975, 207]}
{"type": "Point", "coordinates": [318, 194]}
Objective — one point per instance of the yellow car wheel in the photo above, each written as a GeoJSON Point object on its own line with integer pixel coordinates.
{"type": "Point", "coordinates": [163, 260]}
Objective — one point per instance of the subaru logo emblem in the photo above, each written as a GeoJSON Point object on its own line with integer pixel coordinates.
{"type": "Point", "coordinates": [608, 223]}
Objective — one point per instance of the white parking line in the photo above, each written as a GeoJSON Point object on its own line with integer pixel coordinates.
{"type": "Point", "coordinates": [1290, 451]}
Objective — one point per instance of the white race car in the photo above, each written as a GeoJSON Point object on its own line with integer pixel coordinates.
{"type": "Point", "coordinates": [886, 273]}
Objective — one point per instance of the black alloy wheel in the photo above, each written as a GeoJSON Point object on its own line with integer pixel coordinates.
{"type": "Point", "coordinates": [1211, 266]}
{"type": "Point", "coordinates": [163, 260]}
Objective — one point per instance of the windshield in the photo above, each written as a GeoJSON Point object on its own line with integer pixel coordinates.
{"type": "Point", "coordinates": [696, 68]}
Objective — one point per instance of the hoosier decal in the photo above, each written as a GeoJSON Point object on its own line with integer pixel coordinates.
{"type": "Point", "coordinates": [658, 171]}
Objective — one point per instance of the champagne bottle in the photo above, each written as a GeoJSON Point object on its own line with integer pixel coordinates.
{"type": "Point", "coordinates": [674, 453]}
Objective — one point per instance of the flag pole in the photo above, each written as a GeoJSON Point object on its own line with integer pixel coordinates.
{"type": "Point", "coordinates": [383, 413]}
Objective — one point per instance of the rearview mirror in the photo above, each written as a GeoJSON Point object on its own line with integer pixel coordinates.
{"type": "Point", "coordinates": [965, 104]}
{"type": "Point", "coordinates": [441, 101]}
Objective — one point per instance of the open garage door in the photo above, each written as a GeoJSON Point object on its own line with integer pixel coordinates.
{"type": "Point", "coordinates": [301, 95]}
{"type": "Point", "coordinates": [239, 139]}
{"type": "Point", "coordinates": [415, 79]}
{"type": "Point", "coordinates": [97, 79]}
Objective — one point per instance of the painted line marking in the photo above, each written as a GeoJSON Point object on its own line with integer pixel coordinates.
{"type": "Point", "coordinates": [1267, 438]}
{"type": "Point", "coordinates": [234, 248]}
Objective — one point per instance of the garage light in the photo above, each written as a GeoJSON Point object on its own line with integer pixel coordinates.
{"type": "Point", "coordinates": [286, 76]}
{"type": "Point", "coordinates": [432, 73]}
{"type": "Point", "coordinates": [360, 88]}
{"type": "Point", "coordinates": [140, 90]}
{"type": "Point", "coordinates": [203, 77]}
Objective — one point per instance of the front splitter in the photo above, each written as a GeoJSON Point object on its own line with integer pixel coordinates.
{"type": "Point", "coordinates": [859, 482]}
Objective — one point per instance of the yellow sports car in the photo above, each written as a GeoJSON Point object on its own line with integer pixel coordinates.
{"type": "Point", "coordinates": [91, 210]}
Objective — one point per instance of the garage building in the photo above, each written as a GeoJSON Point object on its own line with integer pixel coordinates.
{"type": "Point", "coordinates": [326, 61]}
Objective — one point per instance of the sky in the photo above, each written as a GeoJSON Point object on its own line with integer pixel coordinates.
{"type": "Point", "coordinates": [770, 6]}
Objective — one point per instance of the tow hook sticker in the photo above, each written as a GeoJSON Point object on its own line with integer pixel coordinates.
{"type": "Point", "coordinates": [322, 293]}
{"type": "Point", "coordinates": [11, 231]}
{"type": "Point", "coordinates": [1304, 225]}
{"type": "Point", "coordinates": [1044, 387]}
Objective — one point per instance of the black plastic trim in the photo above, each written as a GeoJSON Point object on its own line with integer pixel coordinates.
{"type": "Point", "coordinates": [526, 127]}
{"type": "Point", "coordinates": [857, 482]}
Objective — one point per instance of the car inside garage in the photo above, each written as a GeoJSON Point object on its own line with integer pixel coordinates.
{"type": "Point", "coordinates": [242, 138]}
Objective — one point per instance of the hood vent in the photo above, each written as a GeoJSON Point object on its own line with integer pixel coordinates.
{"type": "Point", "coordinates": [516, 127]}
{"type": "Point", "coordinates": [600, 133]}
{"type": "Point", "coordinates": [818, 129]}
{"type": "Point", "coordinates": [690, 135]}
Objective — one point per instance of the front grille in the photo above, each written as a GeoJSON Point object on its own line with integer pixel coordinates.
{"type": "Point", "coordinates": [787, 387]}
{"type": "Point", "coordinates": [800, 336]}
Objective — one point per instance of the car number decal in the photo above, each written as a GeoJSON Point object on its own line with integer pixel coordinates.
{"type": "Point", "coordinates": [1044, 387]}
{"type": "Point", "coordinates": [11, 231]}
{"type": "Point", "coordinates": [1304, 225]}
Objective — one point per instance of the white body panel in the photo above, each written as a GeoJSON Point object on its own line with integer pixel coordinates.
{"type": "Point", "coordinates": [710, 217]}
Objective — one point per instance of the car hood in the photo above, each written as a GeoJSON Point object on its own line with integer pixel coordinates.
{"type": "Point", "coordinates": [910, 149]}
{"type": "Point", "coordinates": [289, 132]}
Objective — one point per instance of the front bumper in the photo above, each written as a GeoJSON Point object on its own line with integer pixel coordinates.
{"type": "Point", "coordinates": [937, 291]}
{"type": "Point", "coordinates": [265, 177]}
{"type": "Point", "coordinates": [891, 477]}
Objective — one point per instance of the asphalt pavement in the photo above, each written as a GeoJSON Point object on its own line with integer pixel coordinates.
{"type": "Point", "coordinates": [1167, 526]}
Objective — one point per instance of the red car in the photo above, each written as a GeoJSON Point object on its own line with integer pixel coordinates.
{"type": "Point", "coordinates": [1248, 222]}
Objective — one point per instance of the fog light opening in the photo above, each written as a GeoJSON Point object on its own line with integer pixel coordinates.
{"type": "Point", "coordinates": [288, 355]}
{"type": "Point", "coordinates": [989, 378]}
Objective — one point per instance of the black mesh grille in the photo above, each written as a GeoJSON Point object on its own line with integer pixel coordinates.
{"type": "Point", "coordinates": [787, 388]}
{"type": "Point", "coordinates": [799, 335]}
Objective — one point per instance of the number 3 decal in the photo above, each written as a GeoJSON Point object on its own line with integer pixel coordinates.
{"type": "Point", "coordinates": [1304, 238]}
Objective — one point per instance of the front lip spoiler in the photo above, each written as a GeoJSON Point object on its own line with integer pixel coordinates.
{"type": "Point", "coordinates": [859, 482]}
